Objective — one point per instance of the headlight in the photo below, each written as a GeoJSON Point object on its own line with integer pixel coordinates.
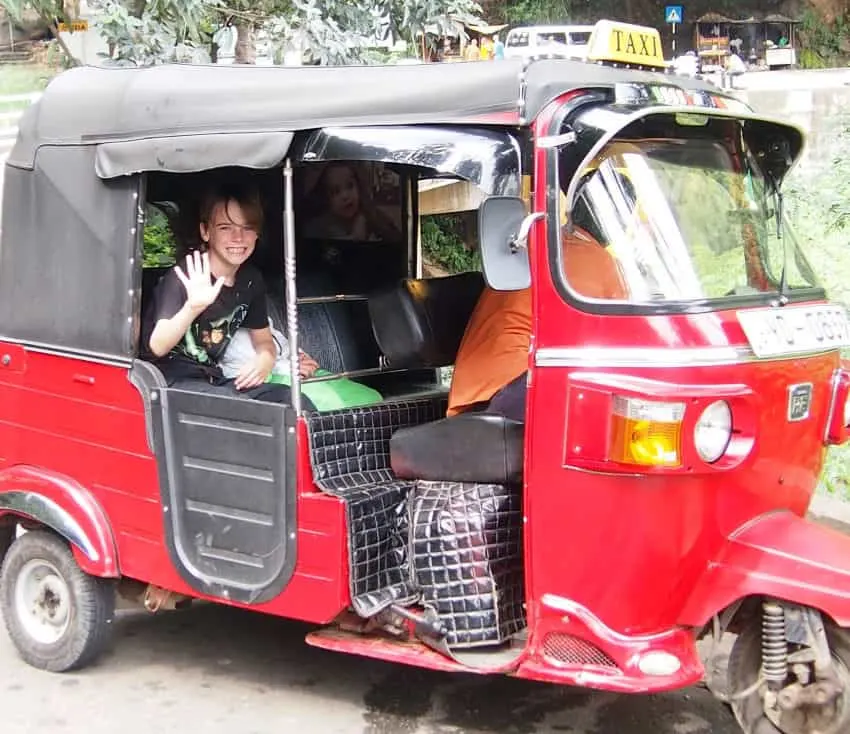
{"type": "Point", "coordinates": [713, 431]}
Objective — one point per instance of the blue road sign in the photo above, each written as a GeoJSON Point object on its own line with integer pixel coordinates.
{"type": "Point", "coordinates": [673, 14]}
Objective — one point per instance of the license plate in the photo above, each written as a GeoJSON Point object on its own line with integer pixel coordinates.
{"type": "Point", "coordinates": [789, 330]}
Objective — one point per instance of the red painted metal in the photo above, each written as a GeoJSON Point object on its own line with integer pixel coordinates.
{"type": "Point", "coordinates": [779, 555]}
{"type": "Point", "coordinates": [634, 546]}
{"type": "Point", "coordinates": [75, 508]}
{"type": "Point", "coordinates": [599, 657]}
{"type": "Point", "coordinates": [73, 431]}
{"type": "Point", "coordinates": [620, 561]}
{"type": "Point", "coordinates": [384, 648]}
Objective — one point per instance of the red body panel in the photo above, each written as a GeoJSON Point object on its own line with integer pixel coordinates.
{"type": "Point", "coordinates": [74, 431]}
{"type": "Point", "coordinates": [779, 555]}
{"type": "Point", "coordinates": [635, 546]}
{"type": "Point", "coordinates": [74, 508]}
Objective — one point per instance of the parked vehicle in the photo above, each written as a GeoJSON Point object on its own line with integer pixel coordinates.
{"type": "Point", "coordinates": [655, 494]}
{"type": "Point", "coordinates": [548, 41]}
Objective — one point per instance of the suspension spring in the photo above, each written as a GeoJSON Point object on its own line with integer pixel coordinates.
{"type": "Point", "coordinates": [774, 647]}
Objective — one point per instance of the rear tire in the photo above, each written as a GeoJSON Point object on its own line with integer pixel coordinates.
{"type": "Point", "coordinates": [58, 617]}
{"type": "Point", "coordinates": [744, 669]}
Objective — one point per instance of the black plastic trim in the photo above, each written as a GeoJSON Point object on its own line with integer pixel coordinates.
{"type": "Point", "coordinates": [156, 397]}
{"type": "Point", "coordinates": [47, 512]}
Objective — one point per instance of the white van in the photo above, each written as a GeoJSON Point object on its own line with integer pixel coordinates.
{"type": "Point", "coordinates": [553, 41]}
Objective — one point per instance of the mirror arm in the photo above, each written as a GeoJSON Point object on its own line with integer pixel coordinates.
{"type": "Point", "coordinates": [520, 240]}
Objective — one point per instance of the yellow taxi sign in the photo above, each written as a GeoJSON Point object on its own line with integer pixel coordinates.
{"type": "Point", "coordinates": [624, 43]}
{"type": "Point", "coordinates": [73, 27]}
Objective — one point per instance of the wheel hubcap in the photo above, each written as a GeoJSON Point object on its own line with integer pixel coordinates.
{"type": "Point", "coordinates": [43, 602]}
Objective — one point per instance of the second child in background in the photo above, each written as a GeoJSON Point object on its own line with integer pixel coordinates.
{"type": "Point", "coordinates": [345, 208]}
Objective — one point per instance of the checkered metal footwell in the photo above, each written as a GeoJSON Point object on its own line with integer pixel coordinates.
{"type": "Point", "coordinates": [466, 553]}
{"type": "Point", "coordinates": [465, 539]}
{"type": "Point", "coordinates": [350, 455]}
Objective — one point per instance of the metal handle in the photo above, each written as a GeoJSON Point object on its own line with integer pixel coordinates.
{"type": "Point", "coordinates": [520, 239]}
{"type": "Point", "coordinates": [7, 360]}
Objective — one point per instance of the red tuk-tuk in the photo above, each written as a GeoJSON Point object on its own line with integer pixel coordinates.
{"type": "Point", "coordinates": [655, 494]}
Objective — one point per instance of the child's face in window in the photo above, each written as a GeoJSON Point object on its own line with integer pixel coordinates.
{"type": "Point", "coordinates": [343, 194]}
{"type": "Point", "coordinates": [230, 236]}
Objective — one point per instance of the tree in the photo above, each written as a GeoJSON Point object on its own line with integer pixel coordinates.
{"type": "Point", "coordinates": [51, 13]}
{"type": "Point", "coordinates": [327, 31]}
{"type": "Point", "coordinates": [155, 31]}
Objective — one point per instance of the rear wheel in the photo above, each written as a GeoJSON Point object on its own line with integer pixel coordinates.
{"type": "Point", "coordinates": [58, 617]}
{"type": "Point", "coordinates": [744, 672]}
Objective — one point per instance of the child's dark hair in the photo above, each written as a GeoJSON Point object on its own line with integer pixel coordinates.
{"type": "Point", "coordinates": [248, 200]}
{"type": "Point", "coordinates": [187, 233]}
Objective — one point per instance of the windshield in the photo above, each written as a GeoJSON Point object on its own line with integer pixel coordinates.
{"type": "Point", "coordinates": [677, 220]}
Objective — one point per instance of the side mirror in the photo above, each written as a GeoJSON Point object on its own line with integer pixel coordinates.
{"type": "Point", "coordinates": [503, 230]}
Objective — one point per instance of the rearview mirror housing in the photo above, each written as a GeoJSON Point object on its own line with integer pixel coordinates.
{"type": "Point", "coordinates": [503, 230]}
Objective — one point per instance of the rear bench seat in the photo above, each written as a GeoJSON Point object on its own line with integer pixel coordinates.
{"type": "Point", "coordinates": [334, 334]}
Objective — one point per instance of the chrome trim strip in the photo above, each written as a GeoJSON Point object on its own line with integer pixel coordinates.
{"type": "Point", "coordinates": [654, 356]}
{"type": "Point", "coordinates": [555, 141]}
{"type": "Point", "coordinates": [833, 404]}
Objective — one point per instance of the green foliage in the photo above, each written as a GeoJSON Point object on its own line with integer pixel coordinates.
{"type": "Point", "coordinates": [164, 32]}
{"type": "Point", "coordinates": [824, 44]}
{"type": "Point", "coordinates": [818, 200]}
{"type": "Point", "coordinates": [325, 31]}
{"type": "Point", "coordinates": [443, 245]}
{"type": "Point", "coordinates": [810, 59]}
{"type": "Point", "coordinates": [24, 78]}
{"type": "Point", "coordinates": [159, 246]}
{"type": "Point", "coordinates": [523, 12]}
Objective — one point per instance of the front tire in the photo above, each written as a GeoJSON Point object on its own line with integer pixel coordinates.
{"type": "Point", "coordinates": [58, 617]}
{"type": "Point", "coordinates": [744, 670]}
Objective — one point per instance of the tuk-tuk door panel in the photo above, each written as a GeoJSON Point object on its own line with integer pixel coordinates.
{"type": "Point", "coordinates": [228, 489]}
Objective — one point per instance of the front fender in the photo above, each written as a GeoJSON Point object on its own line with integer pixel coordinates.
{"type": "Point", "coordinates": [68, 508]}
{"type": "Point", "coordinates": [779, 555]}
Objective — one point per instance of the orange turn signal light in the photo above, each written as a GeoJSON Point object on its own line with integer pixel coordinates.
{"type": "Point", "coordinates": [646, 432]}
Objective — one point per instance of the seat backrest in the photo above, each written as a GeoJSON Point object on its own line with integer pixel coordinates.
{"type": "Point", "coordinates": [337, 335]}
{"type": "Point", "coordinates": [421, 322]}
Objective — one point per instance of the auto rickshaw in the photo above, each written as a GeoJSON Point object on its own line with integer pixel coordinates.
{"type": "Point", "coordinates": [653, 498]}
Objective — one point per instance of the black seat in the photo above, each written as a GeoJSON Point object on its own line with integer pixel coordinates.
{"type": "Point", "coordinates": [472, 447]}
{"type": "Point", "coordinates": [337, 335]}
{"type": "Point", "coordinates": [420, 322]}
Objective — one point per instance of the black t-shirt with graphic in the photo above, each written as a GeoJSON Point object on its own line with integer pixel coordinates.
{"type": "Point", "coordinates": [198, 353]}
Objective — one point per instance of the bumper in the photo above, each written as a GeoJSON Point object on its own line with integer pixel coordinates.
{"type": "Point", "coordinates": [570, 646]}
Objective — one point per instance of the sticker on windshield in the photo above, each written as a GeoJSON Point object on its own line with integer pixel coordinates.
{"type": "Point", "coordinates": [774, 332]}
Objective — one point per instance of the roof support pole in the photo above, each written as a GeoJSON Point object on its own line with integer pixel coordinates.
{"type": "Point", "coordinates": [289, 283]}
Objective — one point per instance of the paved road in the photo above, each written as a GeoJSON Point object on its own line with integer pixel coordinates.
{"type": "Point", "coordinates": [214, 670]}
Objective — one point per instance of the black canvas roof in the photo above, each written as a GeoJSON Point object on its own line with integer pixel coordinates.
{"type": "Point", "coordinates": [94, 105]}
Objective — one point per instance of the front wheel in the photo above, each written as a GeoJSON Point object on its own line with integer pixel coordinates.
{"type": "Point", "coordinates": [58, 617]}
{"type": "Point", "coordinates": [744, 672]}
